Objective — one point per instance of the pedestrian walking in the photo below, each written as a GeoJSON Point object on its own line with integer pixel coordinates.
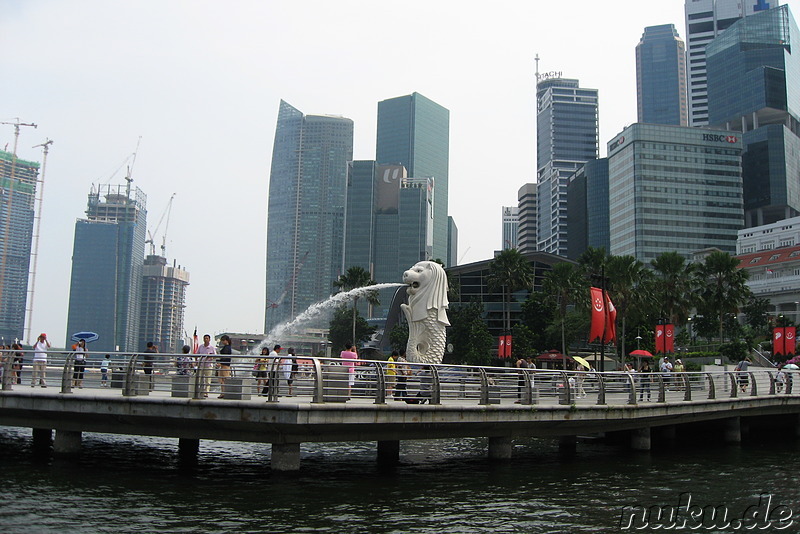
{"type": "Point", "coordinates": [40, 361]}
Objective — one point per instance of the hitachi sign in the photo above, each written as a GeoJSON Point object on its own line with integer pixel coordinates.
{"type": "Point", "coordinates": [720, 138]}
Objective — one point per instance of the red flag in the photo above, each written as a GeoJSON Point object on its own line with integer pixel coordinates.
{"type": "Point", "coordinates": [778, 341]}
{"type": "Point", "coordinates": [669, 338]}
{"type": "Point", "coordinates": [610, 335]}
{"type": "Point", "coordinates": [195, 343]}
{"type": "Point", "coordinates": [790, 339]}
{"type": "Point", "coordinates": [508, 345]}
{"type": "Point", "coordinates": [501, 347]}
{"type": "Point", "coordinates": [660, 339]}
{"type": "Point", "coordinates": [598, 315]}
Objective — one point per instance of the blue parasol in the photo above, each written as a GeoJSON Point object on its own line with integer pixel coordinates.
{"type": "Point", "coordinates": [86, 336]}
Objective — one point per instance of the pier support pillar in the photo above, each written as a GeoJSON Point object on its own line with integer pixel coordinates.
{"type": "Point", "coordinates": [732, 430]}
{"type": "Point", "coordinates": [640, 439]}
{"type": "Point", "coordinates": [797, 426]}
{"type": "Point", "coordinates": [568, 444]}
{"type": "Point", "coordinates": [67, 442]}
{"type": "Point", "coordinates": [285, 457]}
{"type": "Point", "coordinates": [188, 448]}
{"type": "Point", "coordinates": [500, 447]}
{"type": "Point", "coordinates": [388, 453]}
{"type": "Point", "coordinates": [42, 439]}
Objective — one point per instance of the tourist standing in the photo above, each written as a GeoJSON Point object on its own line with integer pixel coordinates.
{"type": "Point", "coordinates": [744, 376]}
{"type": "Point", "coordinates": [645, 378]}
{"type": "Point", "coordinates": [521, 364]}
{"type": "Point", "coordinates": [104, 371]}
{"type": "Point", "coordinates": [206, 364]}
{"type": "Point", "coordinates": [349, 355]}
{"type": "Point", "coordinates": [80, 364]}
{"type": "Point", "coordinates": [402, 375]}
{"type": "Point", "coordinates": [40, 361]}
{"type": "Point", "coordinates": [224, 371]}
{"type": "Point", "coordinates": [17, 367]}
{"type": "Point", "coordinates": [261, 371]}
{"type": "Point", "coordinates": [273, 364]}
{"type": "Point", "coordinates": [185, 361]}
{"type": "Point", "coordinates": [149, 358]}
{"type": "Point", "coordinates": [391, 373]}
{"type": "Point", "coordinates": [678, 369]}
{"type": "Point", "coordinates": [287, 368]}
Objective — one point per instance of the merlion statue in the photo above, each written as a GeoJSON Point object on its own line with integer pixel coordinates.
{"type": "Point", "coordinates": [426, 312]}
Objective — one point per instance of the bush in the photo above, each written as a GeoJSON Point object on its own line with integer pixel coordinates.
{"type": "Point", "coordinates": [734, 351]}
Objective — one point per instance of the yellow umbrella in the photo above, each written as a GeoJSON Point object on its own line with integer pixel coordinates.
{"type": "Point", "coordinates": [582, 361]}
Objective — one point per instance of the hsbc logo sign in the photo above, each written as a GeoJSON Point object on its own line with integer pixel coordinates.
{"type": "Point", "coordinates": [720, 138]}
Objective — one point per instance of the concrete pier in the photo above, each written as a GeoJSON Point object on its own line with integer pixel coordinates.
{"type": "Point", "coordinates": [42, 439]}
{"type": "Point", "coordinates": [640, 439]}
{"type": "Point", "coordinates": [388, 453]}
{"type": "Point", "coordinates": [188, 448]}
{"type": "Point", "coordinates": [67, 442]}
{"type": "Point", "coordinates": [285, 457]}
{"type": "Point", "coordinates": [500, 448]}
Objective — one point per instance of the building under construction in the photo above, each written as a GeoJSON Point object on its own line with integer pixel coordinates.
{"type": "Point", "coordinates": [163, 304]}
{"type": "Point", "coordinates": [107, 262]}
{"type": "Point", "coordinates": [18, 180]}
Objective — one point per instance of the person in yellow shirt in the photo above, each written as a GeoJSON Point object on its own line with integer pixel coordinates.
{"type": "Point", "coordinates": [391, 371]}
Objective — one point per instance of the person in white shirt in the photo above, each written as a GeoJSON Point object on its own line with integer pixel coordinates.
{"type": "Point", "coordinates": [206, 364]}
{"type": "Point", "coordinates": [40, 361]}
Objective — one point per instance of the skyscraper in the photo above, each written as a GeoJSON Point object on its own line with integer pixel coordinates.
{"type": "Point", "coordinates": [17, 195]}
{"type": "Point", "coordinates": [388, 223]}
{"type": "Point", "coordinates": [107, 259]}
{"type": "Point", "coordinates": [528, 216]}
{"type": "Point", "coordinates": [566, 138]}
{"type": "Point", "coordinates": [705, 19]}
{"type": "Point", "coordinates": [414, 131]}
{"type": "Point", "coordinates": [305, 218]}
{"type": "Point", "coordinates": [754, 88]}
{"type": "Point", "coordinates": [587, 208]}
{"type": "Point", "coordinates": [661, 77]}
{"type": "Point", "coordinates": [510, 223]}
{"type": "Point", "coordinates": [163, 304]}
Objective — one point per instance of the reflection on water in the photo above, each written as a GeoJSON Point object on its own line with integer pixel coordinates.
{"type": "Point", "coordinates": [138, 484]}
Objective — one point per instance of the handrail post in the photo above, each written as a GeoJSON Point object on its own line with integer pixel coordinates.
{"type": "Point", "coordinates": [662, 388]}
{"type": "Point", "coordinates": [66, 374]}
{"type": "Point", "coordinates": [566, 396]}
{"type": "Point", "coordinates": [436, 386]}
{"type": "Point", "coordinates": [7, 371]}
{"type": "Point", "coordinates": [527, 392]}
{"type": "Point", "coordinates": [771, 383]}
{"type": "Point", "coordinates": [273, 380]}
{"type": "Point", "coordinates": [712, 391]}
{"type": "Point", "coordinates": [318, 389]}
{"type": "Point", "coordinates": [687, 385]}
{"type": "Point", "coordinates": [601, 389]}
{"type": "Point", "coordinates": [734, 383]}
{"type": "Point", "coordinates": [129, 388]}
{"type": "Point", "coordinates": [631, 389]}
{"type": "Point", "coordinates": [198, 377]}
{"type": "Point", "coordinates": [789, 383]}
{"type": "Point", "coordinates": [754, 385]}
{"type": "Point", "coordinates": [380, 384]}
{"type": "Point", "coordinates": [484, 386]}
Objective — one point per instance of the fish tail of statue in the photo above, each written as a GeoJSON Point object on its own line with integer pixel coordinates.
{"type": "Point", "coordinates": [426, 312]}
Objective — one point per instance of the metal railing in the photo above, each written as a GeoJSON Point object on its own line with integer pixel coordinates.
{"type": "Point", "coordinates": [318, 380]}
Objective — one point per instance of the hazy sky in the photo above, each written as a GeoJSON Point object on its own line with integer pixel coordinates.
{"type": "Point", "coordinates": [200, 82]}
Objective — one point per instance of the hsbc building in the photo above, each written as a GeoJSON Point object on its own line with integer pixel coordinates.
{"type": "Point", "coordinates": [674, 188]}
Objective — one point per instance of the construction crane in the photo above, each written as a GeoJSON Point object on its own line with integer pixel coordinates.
{"type": "Point", "coordinates": [166, 214]}
{"type": "Point", "coordinates": [35, 254]}
{"type": "Point", "coordinates": [7, 225]}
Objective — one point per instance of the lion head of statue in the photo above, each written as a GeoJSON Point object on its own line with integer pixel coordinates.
{"type": "Point", "coordinates": [427, 289]}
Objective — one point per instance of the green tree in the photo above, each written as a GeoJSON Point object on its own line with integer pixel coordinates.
{"type": "Point", "coordinates": [509, 271]}
{"type": "Point", "coordinates": [723, 287]}
{"type": "Point", "coordinates": [398, 337]}
{"type": "Point", "coordinates": [756, 311]}
{"type": "Point", "coordinates": [353, 278]}
{"type": "Point", "coordinates": [472, 342]}
{"type": "Point", "coordinates": [628, 288]}
{"type": "Point", "coordinates": [674, 286]}
{"type": "Point", "coordinates": [564, 286]}
{"type": "Point", "coordinates": [537, 314]}
{"type": "Point", "coordinates": [340, 328]}
{"type": "Point", "coordinates": [593, 261]}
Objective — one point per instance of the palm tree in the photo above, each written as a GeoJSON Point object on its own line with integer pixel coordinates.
{"type": "Point", "coordinates": [627, 283]}
{"type": "Point", "coordinates": [723, 286]}
{"type": "Point", "coordinates": [593, 260]}
{"type": "Point", "coordinates": [509, 271]}
{"type": "Point", "coordinates": [353, 278]}
{"type": "Point", "coordinates": [563, 286]}
{"type": "Point", "coordinates": [674, 287]}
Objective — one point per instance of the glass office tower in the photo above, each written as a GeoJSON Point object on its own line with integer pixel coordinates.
{"type": "Point", "coordinates": [305, 218]}
{"type": "Point", "coordinates": [661, 77]}
{"type": "Point", "coordinates": [107, 259]}
{"type": "Point", "coordinates": [567, 137]}
{"type": "Point", "coordinates": [754, 91]}
{"type": "Point", "coordinates": [414, 131]}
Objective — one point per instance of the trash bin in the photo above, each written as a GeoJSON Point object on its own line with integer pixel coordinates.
{"type": "Point", "coordinates": [183, 386]}
{"type": "Point", "coordinates": [238, 388]}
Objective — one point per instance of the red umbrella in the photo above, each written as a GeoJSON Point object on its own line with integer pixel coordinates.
{"type": "Point", "coordinates": [550, 355]}
{"type": "Point", "coordinates": [641, 353]}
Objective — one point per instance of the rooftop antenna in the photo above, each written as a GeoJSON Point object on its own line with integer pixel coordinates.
{"type": "Point", "coordinates": [129, 176]}
{"type": "Point", "coordinates": [537, 66]}
{"type": "Point", "coordinates": [35, 255]}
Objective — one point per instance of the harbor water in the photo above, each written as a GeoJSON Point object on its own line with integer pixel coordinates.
{"type": "Point", "coordinates": [140, 484]}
